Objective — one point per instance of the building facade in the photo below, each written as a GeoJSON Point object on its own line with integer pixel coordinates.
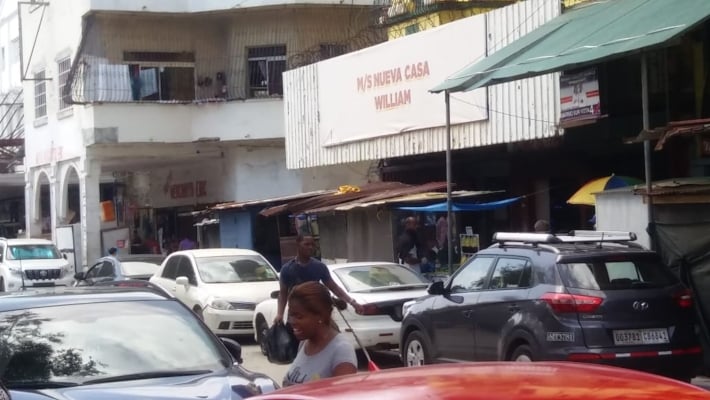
{"type": "Point", "coordinates": [141, 114]}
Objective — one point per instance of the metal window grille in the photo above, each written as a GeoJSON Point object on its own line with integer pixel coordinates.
{"type": "Point", "coordinates": [40, 95]}
{"type": "Point", "coordinates": [266, 66]}
{"type": "Point", "coordinates": [64, 66]}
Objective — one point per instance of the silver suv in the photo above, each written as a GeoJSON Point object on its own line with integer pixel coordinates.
{"type": "Point", "coordinates": [32, 263]}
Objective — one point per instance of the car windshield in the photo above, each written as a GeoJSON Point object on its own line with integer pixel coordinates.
{"type": "Point", "coordinates": [617, 274]}
{"type": "Point", "coordinates": [235, 269]}
{"type": "Point", "coordinates": [33, 252]}
{"type": "Point", "coordinates": [377, 276]}
{"type": "Point", "coordinates": [137, 268]}
{"type": "Point", "coordinates": [98, 341]}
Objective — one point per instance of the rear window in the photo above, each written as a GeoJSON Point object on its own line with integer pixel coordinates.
{"type": "Point", "coordinates": [616, 274]}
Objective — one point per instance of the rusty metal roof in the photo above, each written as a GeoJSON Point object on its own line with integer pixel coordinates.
{"type": "Point", "coordinates": [678, 186]}
{"type": "Point", "coordinates": [366, 193]}
{"type": "Point", "coordinates": [243, 204]}
{"type": "Point", "coordinates": [414, 198]}
{"type": "Point", "coordinates": [673, 129]}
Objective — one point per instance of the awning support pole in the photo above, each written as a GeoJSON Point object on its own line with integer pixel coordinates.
{"type": "Point", "coordinates": [647, 152]}
{"type": "Point", "coordinates": [449, 222]}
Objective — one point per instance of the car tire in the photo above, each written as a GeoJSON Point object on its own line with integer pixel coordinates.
{"type": "Point", "coordinates": [261, 331]}
{"type": "Point", "coordinates": [198, 311]}
{"type": "Point", "coordinates": [522, 353]}
{"type": "Point", "coordinates": [416, 350]}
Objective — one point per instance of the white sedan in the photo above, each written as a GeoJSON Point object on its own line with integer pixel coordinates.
{"type": "Point", "coordinates": [381, 287]}
{"type": "Point", "coordinates": [222, 286]}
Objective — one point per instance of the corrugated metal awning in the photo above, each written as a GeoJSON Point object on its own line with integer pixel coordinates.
{"type": "Point", "coordinates": [414, 198]}
{"type": "Point", "coordinates": [243, 204]}
{"type": "Point", "coordinates": [369, 192]}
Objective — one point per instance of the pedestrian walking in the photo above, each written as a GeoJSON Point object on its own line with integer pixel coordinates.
{"type": "Point", "coordinates": [323, 352]}
{"type": "Point", "coordinates": [304, 268]}
{"type": "Point", "coordinates": [409, 248]}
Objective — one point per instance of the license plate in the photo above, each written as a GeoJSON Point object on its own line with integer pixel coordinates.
{"type": "Point", "coordinates": [640, 336]}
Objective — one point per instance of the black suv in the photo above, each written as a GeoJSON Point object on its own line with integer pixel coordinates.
{"type": "Point", "coordinates": [128, 341]}
{"type": "Point", "coordinates": [588, 296]}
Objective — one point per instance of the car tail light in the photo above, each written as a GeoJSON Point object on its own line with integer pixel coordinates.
{"type": "Point", "coordinates": [684, 298]}
{"type": "Point", "coordinates": [571, 303]}
{"type": "Point", "coordinates": [370, 309]}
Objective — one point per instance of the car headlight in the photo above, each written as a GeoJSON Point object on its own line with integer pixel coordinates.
{"type": "Point", "coordinates": [219, 304]}
{"type": "Point", "coordinates": [16, 271]}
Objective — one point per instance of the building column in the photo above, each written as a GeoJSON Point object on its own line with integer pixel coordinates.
{"type": "Point", "coordinates": [54, 211]}
{"type": "Point", "coordinates": [90, 198]}
{"type": "Point", "coordinates": [33, 222]}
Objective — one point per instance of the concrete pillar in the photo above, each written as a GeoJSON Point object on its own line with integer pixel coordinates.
{"type": "Point", "coordinates": [89, 180]}
{"type": "Point", "coordinates": [33, 228]}
{"type": "Point", "coordinates": [542, 199]}
{"type": "Point", "coordinates": [54, 204]}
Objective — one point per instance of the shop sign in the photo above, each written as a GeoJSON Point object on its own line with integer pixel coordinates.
{"type": "Point", "coordinates": [188, 190]}
{"type": "Point", "coordinates": [579, 95]}
{"type": "Point", "coordinates": [384, 90]}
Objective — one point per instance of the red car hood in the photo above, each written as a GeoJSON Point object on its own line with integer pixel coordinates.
{"type": "Point", "coordinates": [495, 381]}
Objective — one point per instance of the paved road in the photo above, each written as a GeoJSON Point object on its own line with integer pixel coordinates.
{"type": "Point", "coordinates": [255, 361]}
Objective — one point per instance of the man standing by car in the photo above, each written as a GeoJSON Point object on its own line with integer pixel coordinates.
{"type": "Point", "coordinates": [409, 247]}
{"type": "Point", "coordinates": [305, 268]}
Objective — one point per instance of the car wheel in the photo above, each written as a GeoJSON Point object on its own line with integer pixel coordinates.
{"type": "Point", "coordinates": [198, 312]}
{"type": "Point", "coordinates": [416, 350]}
{"type": "Point", "coordinates": [262, 329]}
{"type": "Point", "coordinates": [522, 354]}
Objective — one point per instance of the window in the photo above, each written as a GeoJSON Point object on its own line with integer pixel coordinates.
{"type": "Point", "coordinates": [266, 66]}
{"type": "Point", "coordinates": [511, 273]}
{"type": "Point", "coordinates": [107, 270]}
{"type": "Point", "coordinates": [382, 277]}
{"type": "Point", "coordinates": [410, 29]}
{"type": "Point", "coordinates": [40, 95]}
{"type": "Point", "coordinates": [234, 269]}
{"type": "Point", "coordinates": [472, 275]}
{"type": "Point", "coordinates": [161, 76]}
{"type": "Point", "coordinates": [635, 273]}
{"type": "Point", "coordinates": [63, 67]}
{"type": "Point", "coordinates": [171, 268]}
{"type": "Point", "coordinates": [330, 50]}
{"type": "Point", "coordinates": [2, 59]}
{"type": "Point", "coordinates": [34, 252]}
{"type": "Point", "coordinates": [15, 51]}
{"type": "Point", "coordinates": [185, 269]}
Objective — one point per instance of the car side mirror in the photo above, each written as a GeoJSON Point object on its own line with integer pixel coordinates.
{"type": "Point", "coordinates": [275, 294]}
{"type": "Point", "coordinates": [437, 288]}
{"type": "Point", "coordinates": [65, 256]}
{"type": "Point", "coordinates": [234, 349]}
{"type": "Point", "coordinates": [80, 276]}
{"type": "Point", "coordinates": [182, 281]}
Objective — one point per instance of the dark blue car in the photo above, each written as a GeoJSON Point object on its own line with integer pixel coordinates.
{"type": "Point", "coordinates": [116, 343]}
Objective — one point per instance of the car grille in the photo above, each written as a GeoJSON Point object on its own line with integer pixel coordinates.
{"type": "Point", "coordinates": [243, 306]}
{"type": "Point", "coordinates": [241, 325]}
{"type": "Point", "coordinates": [43, 274]}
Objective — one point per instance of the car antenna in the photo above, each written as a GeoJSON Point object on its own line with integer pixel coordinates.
{"type": "Point", "coordinates": [600, 241]}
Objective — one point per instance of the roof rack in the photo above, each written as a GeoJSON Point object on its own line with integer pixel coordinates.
{"type": "Point", "coordinates": [134, 283]}
{"type": "Point", "coordinates": [578, 236]}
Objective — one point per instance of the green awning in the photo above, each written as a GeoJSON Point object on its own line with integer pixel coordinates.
{"type": "Point", "coordinates": [587, 34]}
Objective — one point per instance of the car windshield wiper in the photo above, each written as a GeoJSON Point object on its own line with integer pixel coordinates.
{"type": "Point", "coordinates": [147, 375]}
{"type": "Point", "coordinates": [40, 385]}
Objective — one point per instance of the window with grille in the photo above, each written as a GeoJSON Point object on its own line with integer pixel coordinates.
{"type": "Point", "coordinates": [40, 95]}
{"type": "Point", "coordinates": [161, 76]}
{"type": "Point", "coordinates": [266, 66]}
{"type": "Point", "coordinates": [64, 66]}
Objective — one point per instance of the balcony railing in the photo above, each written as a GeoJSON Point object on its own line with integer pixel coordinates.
{"type": "Point", "coordinates": [397, 11]}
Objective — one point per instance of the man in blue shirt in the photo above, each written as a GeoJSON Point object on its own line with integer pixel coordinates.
{"type": "Point", "coordinates": [305, 268]}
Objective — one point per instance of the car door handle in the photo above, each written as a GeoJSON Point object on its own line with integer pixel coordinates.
{"type": "Point", "coordinates": [467, 313]}
{"type": "Point", "coordinates": [513, 308]}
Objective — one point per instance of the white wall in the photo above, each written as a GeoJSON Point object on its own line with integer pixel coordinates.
{"type": "Point", "coordinates": [623, 211]}
{"type": "Point", "coordinates": [9, 64]}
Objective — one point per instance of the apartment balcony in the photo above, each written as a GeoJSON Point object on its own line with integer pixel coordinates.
{"type": "Point", "coordinates": [392, 12]}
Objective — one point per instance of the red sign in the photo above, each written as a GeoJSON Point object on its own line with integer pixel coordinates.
{"type": "Point", "coordinates": [188, 189]}
{"type": "Point", "coordinates": [121, 244]}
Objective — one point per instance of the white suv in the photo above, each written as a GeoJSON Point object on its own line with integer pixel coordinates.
{"type": "Point", "coordinates": [32, 263]}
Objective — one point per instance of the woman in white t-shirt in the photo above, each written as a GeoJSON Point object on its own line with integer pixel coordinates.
{"type": "Point", "coordinates": [324, 352]}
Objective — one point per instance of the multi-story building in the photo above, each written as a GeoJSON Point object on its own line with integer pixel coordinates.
{"type": "Point", "coordinates": [142, 112]}
{"type": "Point", "coordinates": [11, 124]}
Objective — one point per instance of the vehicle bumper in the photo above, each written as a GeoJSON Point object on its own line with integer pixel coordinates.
{"type": "Point", "coordinates": [15, 283]}
{"type": "Point", "coordinates": [373, 336]}
{"type": "Point", "coordinates": [229, 322]}
{"type": "Point", "coordinates": [685, 362]}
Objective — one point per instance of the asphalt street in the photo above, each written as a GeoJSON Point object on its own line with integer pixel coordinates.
{"type": "Point", "coordinates": [255, 361]}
